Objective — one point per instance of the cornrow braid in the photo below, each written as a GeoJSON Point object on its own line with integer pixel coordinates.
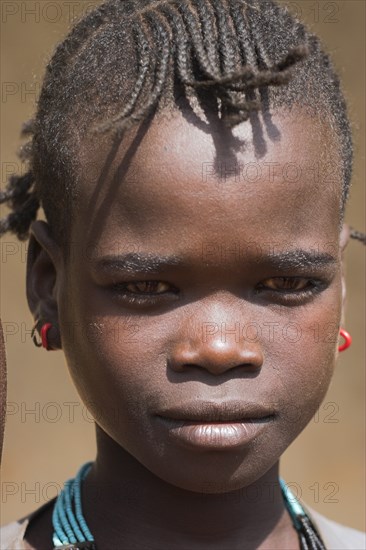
{"type": "Point", "coordinates": [144, 59]}
{"type": "Point", "coordinates": [128, 59]}
{"type": "Point", "coordinates": [159, 28]}
{"type": "Point", "coordinates": [209, 30]}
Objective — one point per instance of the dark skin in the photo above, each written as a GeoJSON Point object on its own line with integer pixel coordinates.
{"type": "Point", "coordinates": [145, 491]}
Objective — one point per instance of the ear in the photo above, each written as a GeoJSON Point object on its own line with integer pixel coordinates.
{"type": "Point", "coordinates": [343, 241]}
{"type": "Point", "coordinates": [44, 268]}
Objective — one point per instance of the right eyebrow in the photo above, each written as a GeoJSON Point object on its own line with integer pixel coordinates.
{"type": "Point", "coordinates": [135, 262]}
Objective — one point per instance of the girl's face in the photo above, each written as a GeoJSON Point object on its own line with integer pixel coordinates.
{"type": "Point", "coordinates": [188, 287]}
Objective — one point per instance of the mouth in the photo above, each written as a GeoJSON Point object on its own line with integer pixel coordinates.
{"type": "Point", "coordinates": [215, 426]}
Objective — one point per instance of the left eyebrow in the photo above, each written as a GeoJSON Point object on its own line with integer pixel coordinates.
{"type": "Point", "coordinates": [134, 262]}
{"type": "Point", "coordinates": [301, 259]}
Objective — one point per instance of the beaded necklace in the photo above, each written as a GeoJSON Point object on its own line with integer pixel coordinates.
{"type": "Point", "coordinates": [72, 533]}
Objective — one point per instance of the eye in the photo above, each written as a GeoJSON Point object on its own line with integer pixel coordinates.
{"type": "Point", "coordinates": [290, 291]}
{"type": "Point", "coordinates": [147, 287]}
{"type": "Point", "coordinates": [144, 293]}
{"type": "Point", "coordinates": [287, 283]}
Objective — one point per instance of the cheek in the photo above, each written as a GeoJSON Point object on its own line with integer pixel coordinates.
{"type": "Point", "coordinates": [115, 365]}
{"type": "Point", "coordinates": [301, 361]}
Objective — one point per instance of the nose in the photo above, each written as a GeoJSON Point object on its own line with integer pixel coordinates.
{"type": "Point", "coordinates": [215, 355]}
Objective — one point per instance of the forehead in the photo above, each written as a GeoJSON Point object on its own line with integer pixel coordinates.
{"type": "Point", "coordinates": [177, 180]}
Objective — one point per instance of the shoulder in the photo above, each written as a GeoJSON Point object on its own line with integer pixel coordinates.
{"type": "Point", "coordinates": [17, 535]}
{"type": "Point", "coordinates": [335, 535]}
{"type": "Point", "coordinates": [12, 535]}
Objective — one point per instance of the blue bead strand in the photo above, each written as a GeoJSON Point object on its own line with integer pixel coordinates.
{"type": "Point", "coordinates": [61, 507]}
{"type": "Point", "coordinates": [68, 505]}
{"type": "Point", "coordinates": [292, 504]}
{"type": "Point", "coordinates": [69, 529]}
{"type": "Point", "coordinates": [59, 536]}
{"type": "Point", "coordinates": [77, 497]}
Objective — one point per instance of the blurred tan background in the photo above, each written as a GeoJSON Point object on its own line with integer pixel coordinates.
{"type": "Point", "coordinates": [48, 432]}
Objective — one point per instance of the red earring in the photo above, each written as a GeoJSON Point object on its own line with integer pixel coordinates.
{"type": "Point", "coordinates": [45, 328]}
{"type": "Point", "coordinates": [347, 340]}
{"type": "Point", "coordinates": [44, 339]}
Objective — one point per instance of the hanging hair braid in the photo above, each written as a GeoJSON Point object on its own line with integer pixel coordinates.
{"type": "Point", "coordinates": [354, 234]}
{"type": "Point", "coordinates": [129, 58]}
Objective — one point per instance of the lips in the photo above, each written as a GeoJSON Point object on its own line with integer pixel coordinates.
{"type": "Point", "coordinates": [214, 426]}
{"type": "Point", "coordinates": [217, 412]}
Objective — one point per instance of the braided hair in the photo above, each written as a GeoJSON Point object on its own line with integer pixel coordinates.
{"type": "Point", "coordinates": [128, 59]}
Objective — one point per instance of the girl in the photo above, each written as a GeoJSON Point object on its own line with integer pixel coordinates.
{"type": "Point", "coordinates": [201, 131]}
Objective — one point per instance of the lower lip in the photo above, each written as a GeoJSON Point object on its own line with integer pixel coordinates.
{"type": "Point", "coordinates": [214, 435]}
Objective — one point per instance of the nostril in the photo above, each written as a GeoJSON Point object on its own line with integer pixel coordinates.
{"type": "Point", "coordinates": [215, 359]}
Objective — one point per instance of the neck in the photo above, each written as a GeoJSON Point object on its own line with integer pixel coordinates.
{"type": "Point", "coordinates": [125, 505]}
